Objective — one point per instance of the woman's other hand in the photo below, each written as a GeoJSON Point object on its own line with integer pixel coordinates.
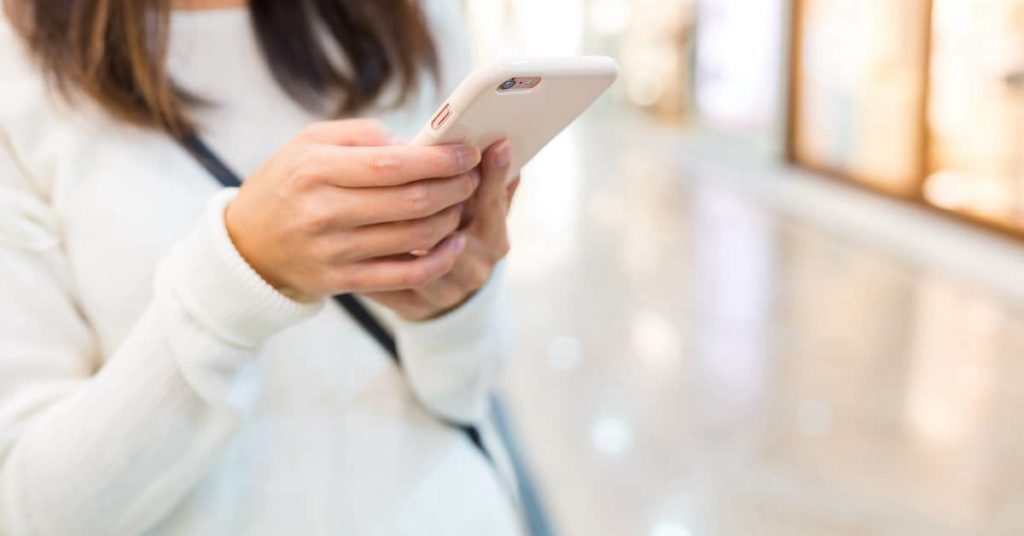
{"type": "Point", "coordinates": [339, 207]}
{"type": "Point", "coordinates": [486, 238]}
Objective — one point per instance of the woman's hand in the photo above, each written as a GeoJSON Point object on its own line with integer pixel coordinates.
{"type": "Point", "coordinates": [338, 209]}
{"type": "Point", "coordinates": [486, 243]}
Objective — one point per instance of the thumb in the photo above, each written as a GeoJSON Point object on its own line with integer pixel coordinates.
{"type": "Point", "coordinates": [491, 200]}
{"type": "Point", "coordinates": [494, 171]}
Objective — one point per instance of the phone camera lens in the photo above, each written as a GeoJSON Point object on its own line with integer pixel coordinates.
{"type": "Point", "coordinates": [508, 84]}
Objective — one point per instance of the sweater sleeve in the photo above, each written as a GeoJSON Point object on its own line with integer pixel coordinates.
{"type": "Point", "coordinates": [96, 445]}
{"type": "Point", "coordinates": [451, 363]}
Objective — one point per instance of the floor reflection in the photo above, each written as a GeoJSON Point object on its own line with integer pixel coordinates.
{"type": "Point", "coordinates": [693, 362]}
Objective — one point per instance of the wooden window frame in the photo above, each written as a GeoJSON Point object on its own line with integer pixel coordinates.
{"type": "Point", "coordinates": [916, 196]}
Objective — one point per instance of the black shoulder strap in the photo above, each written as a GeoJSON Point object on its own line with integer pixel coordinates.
{"type": "Point", "coordinates": [351, 304]}
{"type": "Point", "coordinates": [370, 324]}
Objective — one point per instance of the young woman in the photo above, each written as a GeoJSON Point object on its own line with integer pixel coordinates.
{"type": "Point", "coordinates": [171, 362]}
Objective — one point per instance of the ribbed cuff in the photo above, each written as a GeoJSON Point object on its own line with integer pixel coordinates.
{"type": "Point", "coordinates": [451, 362]}
{"type": "Point", "coordinates": [460, 327]}
{"type": "Point", "coordinates": [221, 291]}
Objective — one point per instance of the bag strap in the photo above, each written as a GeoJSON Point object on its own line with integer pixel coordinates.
{"type": "Point", "coordinates": [220, 171]}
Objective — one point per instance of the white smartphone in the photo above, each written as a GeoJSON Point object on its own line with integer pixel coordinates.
{"type": "Point", "coordinates": [526, 101]}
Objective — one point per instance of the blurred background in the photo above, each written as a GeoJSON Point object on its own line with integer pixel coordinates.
{"type": "Point", "coordinates": [773, 284]}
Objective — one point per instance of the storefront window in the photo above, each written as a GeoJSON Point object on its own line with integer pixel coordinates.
{"type": "Point", "coordinates": [860, 83]}
{"type": "Point", "coordinates": [923, 99]}
{"type": "Point", "coordinates": [976, 110]}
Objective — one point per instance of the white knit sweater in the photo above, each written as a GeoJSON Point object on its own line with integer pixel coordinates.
{"type": "Point", "coordinates": [152, 383]}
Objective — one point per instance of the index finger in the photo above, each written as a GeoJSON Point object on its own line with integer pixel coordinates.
{"type": "Point", "coordinates": [395, 165]}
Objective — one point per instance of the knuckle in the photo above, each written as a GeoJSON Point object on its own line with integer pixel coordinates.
{"type": "Point", "coordinates": [417, 275]}
{"type": "Point", "coordinates": [418, 198]}
{"type": "Point", "coordinates": [384, 163]}
{"type": "Point", "coordinates": [423, 234]}
{"type": "Point", "coordinates": [304, 176]}
{"type": "Point", "coordinates": [335, 249]}
{"type": "Point", "coordinates": [426, 233]}
{"type": "Point", "coordinates": [315, 220]}
{"type": "Point", "coordinates": [451, 160]}
{"type": "Point", "coordinates": [304, 171]}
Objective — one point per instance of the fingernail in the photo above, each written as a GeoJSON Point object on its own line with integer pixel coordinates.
{"type": "Point", "coordinates": [474, 176]}
{"type": "Point", "coordinates": [503, 155]}
{"type": "Point", "coordinates": [460, 242]}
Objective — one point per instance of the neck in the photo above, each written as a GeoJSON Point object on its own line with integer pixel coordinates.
{"type": "Point", "coordinates": [202, 5]}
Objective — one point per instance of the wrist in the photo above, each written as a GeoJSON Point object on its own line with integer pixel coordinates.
{"type": "Point", "coordinates": [249, 250]}
{"type": "Point", "coordinates": [219, 290]}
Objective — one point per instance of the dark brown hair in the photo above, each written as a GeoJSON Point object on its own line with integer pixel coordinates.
{"type": "Point", "coordinates": [114, 51]}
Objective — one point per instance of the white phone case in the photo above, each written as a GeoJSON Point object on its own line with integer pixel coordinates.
{"type": "Point", "coordinates": [480, 113]}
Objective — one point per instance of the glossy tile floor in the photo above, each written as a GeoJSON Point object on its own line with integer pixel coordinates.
{"type": "Point", "coordinates": [696, 360]}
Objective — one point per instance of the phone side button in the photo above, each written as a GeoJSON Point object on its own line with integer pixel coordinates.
{"type": "Point", "coordinates": [441, 117]}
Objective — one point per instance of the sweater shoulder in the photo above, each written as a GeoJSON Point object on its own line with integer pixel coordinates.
{"type": "Point", "coordinates": [28, 131]}
{"type": "Point", "coordinates": [21, 79]}
{"type": "Point", "coordinates": [30, 116]}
